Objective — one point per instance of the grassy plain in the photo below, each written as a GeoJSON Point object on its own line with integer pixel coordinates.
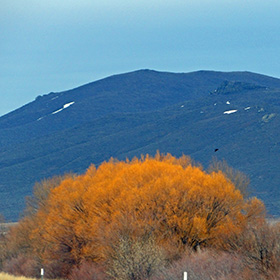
{"type": "Point", "coordinates": [5, 276]}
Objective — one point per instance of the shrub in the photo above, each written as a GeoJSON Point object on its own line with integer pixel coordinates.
{"type": "Point", "coordinates": [135, 259]}
{"type": "Point", "coordinates": [21, 266]}
{"type": "Point", "coordinates": [260, 247]}
{"type": "Point", "coordinates": [87, 271]}
{"type": "Point", "coordinates": [206, 265]}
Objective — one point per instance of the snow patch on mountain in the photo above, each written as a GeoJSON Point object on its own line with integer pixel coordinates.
{"type": "Point", "coordinates": [229, 112]}
{"type": "Point", "coordinates": [59, 110]}
{"type": "Point", "coordinates": [64, 107]}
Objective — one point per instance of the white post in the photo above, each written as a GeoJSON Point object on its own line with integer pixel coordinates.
{"type": "Point", "coordinates": [185, 275]}
{"type": "Point", "coordinates": [42, 273]}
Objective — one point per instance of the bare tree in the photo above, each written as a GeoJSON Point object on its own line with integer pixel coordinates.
{"type": "Point", "coordinates": [259, 247]}
{"type": "Point", "coordinates": [135, 259]}
{"type": "Point", "coordinates": [239, 179]}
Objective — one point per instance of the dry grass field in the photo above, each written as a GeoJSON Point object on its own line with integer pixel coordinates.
{"type": "Point", "coordinates": [5, 276]}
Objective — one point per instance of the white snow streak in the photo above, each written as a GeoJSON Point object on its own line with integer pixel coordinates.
{"type": "Point", "coordinates": [55, 112]}
{"type": "Point", "coordinates": [230, 112]}
{"type": "Point", "coordinates": [64, 107]}
{"type": "Point", "coordinates": [68, 104]}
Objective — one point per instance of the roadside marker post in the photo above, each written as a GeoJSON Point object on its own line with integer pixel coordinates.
{"type": "Point", "coordinates": [42, 273]}
{"type": "Point", "coordinates": [185, 275]}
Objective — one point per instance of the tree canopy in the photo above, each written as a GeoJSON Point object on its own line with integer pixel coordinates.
{"type": "Point", "coordinates": [162, 198]}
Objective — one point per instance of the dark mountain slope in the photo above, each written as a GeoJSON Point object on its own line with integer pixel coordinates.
{"type": "Point", "coordinates": [139, 91]}
{"type": "Point", "coordinates": [141, 112]}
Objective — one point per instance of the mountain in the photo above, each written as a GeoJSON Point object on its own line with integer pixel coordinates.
{"type": "Point", "coordinates": [236, 114]}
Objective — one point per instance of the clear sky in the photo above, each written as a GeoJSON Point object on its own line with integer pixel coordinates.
{"type": "Point", "coordinates": [55, 45]}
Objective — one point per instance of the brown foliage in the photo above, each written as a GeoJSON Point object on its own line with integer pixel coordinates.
{"type": "Point", "coordinates": [41, 191]}
{"type": "Point", "coordinates": [135, 259]}
{"type": "Point", "coordinates": [21, 266]}
{"type": "Point", "coordinates": [20, 246]}
{"type": "Point", "coordinates": [88, 271]}
{"type": "Point", "coordinates": [259, 246]}
{"type": "Point", "coordinates": [18, 239]}
{"type": "Point", "coordinates": [207, 265]}
{"type": "Point", "coordinates": [3, 246]}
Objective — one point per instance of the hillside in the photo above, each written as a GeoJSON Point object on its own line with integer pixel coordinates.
{"type": "Point", "coordinates": [140, 112]}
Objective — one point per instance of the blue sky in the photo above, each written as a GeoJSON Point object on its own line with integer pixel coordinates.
{"type": "Point", "coordinates": [55, 45]}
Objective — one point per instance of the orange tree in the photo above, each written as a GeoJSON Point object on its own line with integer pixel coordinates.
{"type": "Point", "coordinates": [176, 203]}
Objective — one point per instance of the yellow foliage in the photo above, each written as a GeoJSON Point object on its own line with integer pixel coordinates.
{"type": "Point", "coordinates": [164, 196]}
